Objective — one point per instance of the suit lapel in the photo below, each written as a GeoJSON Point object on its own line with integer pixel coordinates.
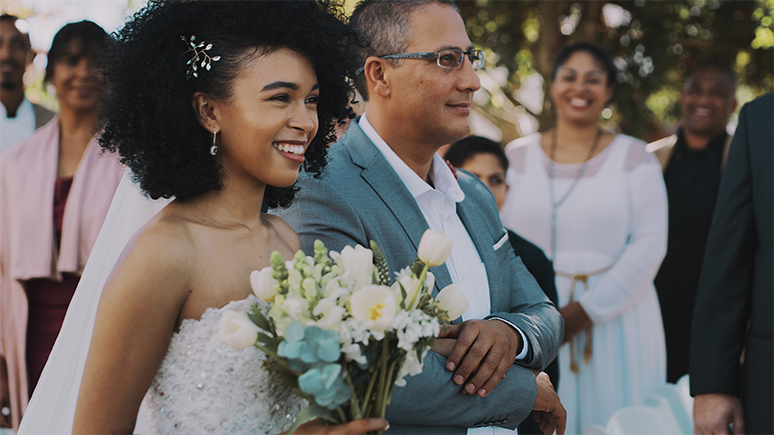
{"type": "Point", "coordinates": [386, 183]}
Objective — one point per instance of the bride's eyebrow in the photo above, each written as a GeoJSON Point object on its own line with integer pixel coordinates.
{"type": "Point", "coordinates": [280, 85]}
{"type": "Point", "coordinates": [289, 85]}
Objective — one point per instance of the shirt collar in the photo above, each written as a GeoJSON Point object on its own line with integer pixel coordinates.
{"type": "Point", "coordinates": [23, 108]}
{"type": "Point", "coordinates": [442, 176]}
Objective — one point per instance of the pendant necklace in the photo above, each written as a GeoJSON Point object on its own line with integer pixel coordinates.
{"type": "Point", "coordinates": [555, 204]}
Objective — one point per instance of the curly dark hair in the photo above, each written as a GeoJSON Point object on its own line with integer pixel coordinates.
{"type": "Point", "coordinates": [147, 115]}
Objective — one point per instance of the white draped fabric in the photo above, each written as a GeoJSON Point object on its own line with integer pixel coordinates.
{"type": "Point", "coordinates": [52, 407]}
{"type": "Point", "coordinates": [613, 221]}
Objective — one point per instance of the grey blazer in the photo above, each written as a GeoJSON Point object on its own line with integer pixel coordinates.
{"type": "Point", "coordinates": [361, 198]}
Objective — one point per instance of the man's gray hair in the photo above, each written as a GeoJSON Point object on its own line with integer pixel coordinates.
{"type": "Point", "coordinates": [384, 25]}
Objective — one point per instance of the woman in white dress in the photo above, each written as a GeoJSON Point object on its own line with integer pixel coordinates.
{"type": "Point", "coordinates": [595, 203]}
{"type": "Point", "coordinates": [215, 104]}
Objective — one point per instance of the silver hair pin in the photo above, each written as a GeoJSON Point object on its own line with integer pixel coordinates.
{"type": "Point", "coordinates": [200, 57]}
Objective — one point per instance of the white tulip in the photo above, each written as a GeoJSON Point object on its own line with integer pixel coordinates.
{"type": "Point", "coordinates": [236, 330]}
{"type": "Point", "coordinates": [410, 284]}
{"type": "Point", "coordinates": [434, 247]}
{"type": "Point", "coordinates": [373, 306]}
{"type": "Point", "coordinates": [453, 300]}
{"type": "Point", "coordinates": [264, 286]}
{"type": "Point", "coordinates": [357, 262]}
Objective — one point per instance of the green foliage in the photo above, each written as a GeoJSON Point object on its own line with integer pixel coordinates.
{"type": "Point", "coordinates": [654, 44]}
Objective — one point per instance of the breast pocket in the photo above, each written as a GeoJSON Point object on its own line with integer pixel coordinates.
{"type": "Point", "coordinates": [502, 250]}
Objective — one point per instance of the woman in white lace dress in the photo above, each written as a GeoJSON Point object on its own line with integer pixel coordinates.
{"type": "Point", "coordinates": [218, 105]}
{"type": "Point", "coordinates": [595, 202]}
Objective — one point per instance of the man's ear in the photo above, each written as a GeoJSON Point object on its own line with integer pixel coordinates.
{"type": "Point", "coordinates": [375, 72]}
{"type": "Point", "coordinates": [204, 108]}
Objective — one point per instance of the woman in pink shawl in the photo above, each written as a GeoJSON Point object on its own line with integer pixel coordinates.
{"type": "Point", "coordinates": [55, 190]}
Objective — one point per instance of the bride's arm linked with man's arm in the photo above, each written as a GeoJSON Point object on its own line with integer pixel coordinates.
{"type": "Point", "coordinates": [343, 209]}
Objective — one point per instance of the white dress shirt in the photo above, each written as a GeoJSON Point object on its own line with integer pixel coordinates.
{"type": "Point", "coordinates": [17, 128]}
{"type": "Point", "coordinates": [439, 206]}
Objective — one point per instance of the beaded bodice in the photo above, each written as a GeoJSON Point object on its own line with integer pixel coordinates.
{"type": "Point", "coordinates": [205, 386]}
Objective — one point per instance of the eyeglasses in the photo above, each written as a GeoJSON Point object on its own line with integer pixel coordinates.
{"type": "Point", "coordinates": [450, 58]}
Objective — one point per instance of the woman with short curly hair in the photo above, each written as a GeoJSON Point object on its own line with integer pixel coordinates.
{"type": "Point", "coordinates": [217, 105]}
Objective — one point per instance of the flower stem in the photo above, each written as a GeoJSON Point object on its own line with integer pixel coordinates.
{"type": "Point", "coordinates": [354, 405]}
{"type": "Point", "coordinates": [368, 404]}
{"type": "Point", "coordinates": [385, 399]}
{"type": "Point", "coordinates": [379, 409]}
{"type": "Point", "coordinates": [281, 361]}
{"type": "Point", "coordinates": [422, 278]}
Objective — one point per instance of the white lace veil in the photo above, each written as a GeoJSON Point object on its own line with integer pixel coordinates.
{"type": "Point", "coordinates": [52, 408]}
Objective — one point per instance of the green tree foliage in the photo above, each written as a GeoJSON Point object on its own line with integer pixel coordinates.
{"type": "Point", "coordinates": [654, 45]}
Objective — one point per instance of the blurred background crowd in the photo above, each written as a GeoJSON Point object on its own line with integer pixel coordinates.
{"type": "Point", "coordinates": [672, 74]}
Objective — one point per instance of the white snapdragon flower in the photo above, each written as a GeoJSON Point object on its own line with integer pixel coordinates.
{"type": "Point", "coordinates": [332, 314]}
{"type": "Point", "coordinates": [310, 288]}
{"type": "Point", "coordinates": [236, 330]}
{"type": "Point", "coordinates": [296, 307]}
{"type": "Point", "coordinates": [412, 367]}
{"type": "Point", "coordinates": [357, 263]}
{"type": "Point", "coordinates": [352, 352]}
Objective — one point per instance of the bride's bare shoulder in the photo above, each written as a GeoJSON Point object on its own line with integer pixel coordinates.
{"type": "Point", "coordinates": [159, 254]}
{"type": "Point", "coordinates": [283, 231]}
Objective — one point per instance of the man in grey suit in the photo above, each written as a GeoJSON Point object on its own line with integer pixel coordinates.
{"type": "Point", "coordinates": [385, 182]}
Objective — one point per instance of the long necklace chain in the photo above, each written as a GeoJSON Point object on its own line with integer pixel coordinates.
{"type": "Point", "coordinates": [555, 204]}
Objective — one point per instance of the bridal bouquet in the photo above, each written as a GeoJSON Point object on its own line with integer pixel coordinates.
{"type": "Point", "coordinates": [340, 331]}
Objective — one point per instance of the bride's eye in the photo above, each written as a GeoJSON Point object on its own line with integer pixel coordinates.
{"type": "Point", "coordinates": [312, 99]}
{"type": "Point", "coordinates": [281, 97]}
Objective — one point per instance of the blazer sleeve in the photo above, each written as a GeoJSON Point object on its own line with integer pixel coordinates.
{"type": "Point", "coordinates": [722, 309]}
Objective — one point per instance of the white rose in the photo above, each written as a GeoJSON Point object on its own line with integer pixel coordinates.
{"type": "Point", "coordinates": [264, 286]}
{"type": "Point", "coordinates": [373, 306]}
{"type": "Point", "coordinates": [236, 330]}
{"type": "Point", "coordinates": [453, 300]}
{"type": "Point", "coordinates": [434, 247]}
{"type": "Point", "coordinates": [357, 262]}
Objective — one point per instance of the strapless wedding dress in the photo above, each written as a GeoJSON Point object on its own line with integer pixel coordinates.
{"type": "Point", "coordinates": [205, 386]}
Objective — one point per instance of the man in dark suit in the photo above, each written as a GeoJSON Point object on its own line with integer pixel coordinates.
{"type": "Point", "coordinates": [385, 182]}
{"type": "Point", "coordinates": [731, 333]}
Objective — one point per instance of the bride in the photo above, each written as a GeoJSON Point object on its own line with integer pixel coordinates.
{"type": "Point", "coordinates": [215, 104]}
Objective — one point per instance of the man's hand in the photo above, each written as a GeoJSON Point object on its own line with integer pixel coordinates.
{"type": "Point", "coordinates": [548, 410]}
{"type": "Point", "coordinates": [714, 412]}
{"type": "Point", "coordinates": [483, 352]}
{"type": "Point", "coordinates": [575, 320]}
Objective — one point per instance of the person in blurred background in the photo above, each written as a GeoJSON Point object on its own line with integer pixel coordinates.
{"type": "Point", "coordinates": [692, 161]}
{"type": "Point", "coordinates": [595, 202]}
{"type": "Point", "coordinates": [486, 159]}
{"type": "Point", "coordinates": [18, 117]}
{"type": "Point", "coordinates": [55, 190]}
